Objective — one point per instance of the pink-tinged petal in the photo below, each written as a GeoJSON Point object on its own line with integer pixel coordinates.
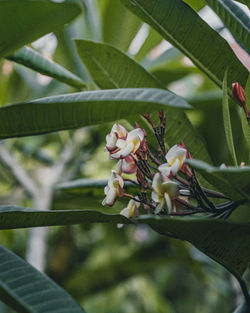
{"type": "Point", "coordinates": [175, 167]}
{"type": "Point", "coordinates": [127, 165]}
{"type": "Point", "coordinates": [121, 143]}
{"type": "Point", "coordinates": [111, 142]}
{"type": "Point", "coordinates": [168, 202]}
{"type": "Point", "coordinates": [119, 130]}
{"type": "Point", "coordinates": [176, 152]}
{"type": "Point", "coordinates": [123, 152]}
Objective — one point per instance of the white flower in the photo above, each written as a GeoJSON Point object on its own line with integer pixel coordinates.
{"type": "Point", "coordinates": [164, 193]}
{"type": "Point", "coordinates": [126, 165]}
{"type": "Point", "coordinates": [129, 145]}
{"type": "Point", "coordinates": [113, 189]}
{"type": "Point", "coordinates": [117, 132]}
{"type": "Point", "coordinates": [130, 211]}
{"type": "Point", "coordinates": [175, 157]}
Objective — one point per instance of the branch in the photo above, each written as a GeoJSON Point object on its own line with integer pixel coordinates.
{"type": "Point", "coordinates": [19, 172]}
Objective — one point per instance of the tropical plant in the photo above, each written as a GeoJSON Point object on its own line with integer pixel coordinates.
{"type": "Point", "coordinates": [169, 146]}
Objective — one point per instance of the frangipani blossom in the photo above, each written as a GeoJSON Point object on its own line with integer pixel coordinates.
{"type": "Point", "coordinates": [164, 193]}
{"type": "Point", "coordinates": [129, 145]}
{"type": "Point", "coordinates": [130, 211]}
{"type": "Point", "coordinates": [126, 165]}
{"type": "Point", "coordinates": [114, 189]}
{"type": "Point", "coordinates": [175, 157]}
{"type": "Point", "coordinates": [117, 132]}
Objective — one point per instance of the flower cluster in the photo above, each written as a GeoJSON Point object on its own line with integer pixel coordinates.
{"type": "Point", "coordinates": [165, 183]}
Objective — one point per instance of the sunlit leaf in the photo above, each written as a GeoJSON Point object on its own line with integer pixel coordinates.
{"type": "Point", "coordinates": [82, 109]}
{"type": "Point", "coordinates": [34, 60]}
{"type": "Point", "coordinates": [234, 18]}
{"type": "Point", "coordinates": [183, 28]}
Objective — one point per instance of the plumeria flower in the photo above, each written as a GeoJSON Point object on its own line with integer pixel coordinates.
{"type": "Point", "coordinates": [175, 157]}
{"type": "Point", "coordinates": [117, 132]}
{"type": "Point", "coordinates": [130, 211]}
{"type": "Point", "coordinates": [164, 193]}
{"type": "Point", "coordinates": [114, 189]}
{"type": "Point", "coordinates": [126, 165]}
{"type": "Point", "coordinates": [129, 145]}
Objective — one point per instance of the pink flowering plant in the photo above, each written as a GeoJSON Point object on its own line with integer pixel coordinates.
{"type": "Point", "coordinates": [166, 185]}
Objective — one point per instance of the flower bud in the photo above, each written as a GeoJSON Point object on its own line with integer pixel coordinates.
{"type": "Point", "coordinates": [239, 93]}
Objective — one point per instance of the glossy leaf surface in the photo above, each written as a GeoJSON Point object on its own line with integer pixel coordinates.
{"type": "Point", "coordinates": [82, 109]}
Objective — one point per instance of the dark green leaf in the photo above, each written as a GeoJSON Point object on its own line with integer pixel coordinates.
{"type": "Point", "coordinates": [34, 60]}
{"type": "Point", "coordinates": [196, 4]}
{"type": "Point", "coordinates": [227, 120]}
{"type": "Point", "coordinates": [81, 109]}
{"type": "Point", "coordinates": [210, 236]}
{"type": "Point", "coordinates": [111, 68]}
{"type": "Point", "coordinates": [183, 27]}
{"type": "Point", "coordinates": [234, 18]}
{"type": "Point", "coordinates": [27, 290]}
{"type": "Point", "coordinates": [244, 123]}
{"type": "Point", "coordinates": [233, 181]}
{"type": "Point", "coordinates": [22, 22]}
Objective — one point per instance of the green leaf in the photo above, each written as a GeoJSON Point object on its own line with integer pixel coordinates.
{"type": "Point", "coordinates": [152, 40]}
{"type": "Point", "coordinates": [227, 120]}
{"type": "Point", "coordinates": [34, 60]}
{"type": "Point", "coordinates": [183, 27]}
{"type": "Point", "coordinates": [27, 290]}
{"type": "Point", "coordinates": [119, 26]}
{"type": "Point", "coordinates": [234, 18]}
{"type": "Point", "coordinates": [208, 235]}
{"type": "Point", "coordinates": [232, 181]}
{"type": "Point", "coordinates": [111, 68]}
{"type": "Point", "coordinates": [22, 22]}
{"type": "Point", "coordinates": [82, 109]}
{"type": "Point", "coordinates": [196, 4]}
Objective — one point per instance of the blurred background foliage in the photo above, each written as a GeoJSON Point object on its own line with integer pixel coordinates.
{"type": "Point", "coordinates": [131, 269]}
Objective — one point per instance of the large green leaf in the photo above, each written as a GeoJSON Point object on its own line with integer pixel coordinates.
{"type": "Point", "coordinates": [234, 18]}
{"type": "Point", "coordinates": [227, 120]}
{"type": "Point", "coordinates": [34, 60]}
{"type": "Point", "coordinates": [24, 21]}
{"type": "Point", "coordinates": [233, 181]}
{"type": "Point", "coordinates": [224, 241]}
{"type": "Point", "coordinates": [196, 4]}
{"type": "Point", "coordinates": [111, 68]}
{"type": "Point", "coordinates": [27, 290]}
{"type": "Point", "coordinates": [81, 109]}
{"type": "Point", "coordinates": [119, 26]}
{"type": "Point", "coordinates": [183, 27]}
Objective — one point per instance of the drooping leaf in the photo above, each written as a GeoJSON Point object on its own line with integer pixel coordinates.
{"type": "Point", "coordinates": [22, 22]}
{"type": "Point", "coordinates": [227, 120]}
{"type": "Point", "coordinates": [111, 68]}
{"type": "Point", "coordinates": [232, 181]}
{"type": "Point", "coordinates": [209, 235]}
{"type": "Point", "coordinates": [26, 290]}
{"type": "Point", "coordinates": [34, 60]}
{"type": "Point", "coordinates": [82, 109]}
{"type": "Point", "coordinates": [196, 4]}
{"type": "Point", "coordinates": [234, 18]}
{"type": "Point", "coordinates": [183, 27]}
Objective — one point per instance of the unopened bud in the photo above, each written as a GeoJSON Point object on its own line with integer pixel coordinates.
{"type": "Point", "coordinates": [239, 93]}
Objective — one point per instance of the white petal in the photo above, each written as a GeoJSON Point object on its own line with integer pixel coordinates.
{"type": "Point", "coordinates": [157, 181]}
{"type": "Point", "coordinates": [159, 207]}
{"type": "Point", "coordinates": [126, 150]}
{"type": "Point", "coordinates": [120, 130]}
{"type": "Point", "coordinates": [111, 197]}
{"type": "Point", "coordinates": [121, 143]}
{"type": "Point", "coordinates": [138, 132]}
{"type": "Point", "coordinates": [111, 141]}
{"type": "Point", "coordinates": [176, 152]}
{"type": "Point", "coordinates": [165, 169]}
{"type": "Point", "coordinates": [155, 197]}
{"type": "Point", "coordinates": [175, 167]}
{"type": "Point", "coordinates": [125, 212]}
{"type": "Point", "coordinates": [168, 202]}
